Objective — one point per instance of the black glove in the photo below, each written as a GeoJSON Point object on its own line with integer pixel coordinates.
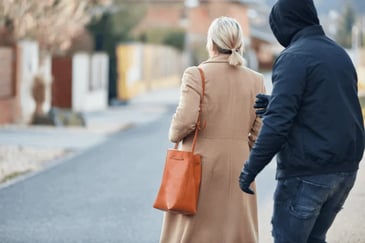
{"type": "Point", "coordinates": [245, 180]}
{"type": "Point", "coordinates": [262, 100]}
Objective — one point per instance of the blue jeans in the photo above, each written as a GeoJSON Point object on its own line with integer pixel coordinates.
{"type": "Point", "coordinates": [305, 207]}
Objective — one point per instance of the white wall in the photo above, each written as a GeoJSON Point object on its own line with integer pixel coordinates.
{"type": "Point", "coordinates": [45, 70]}
{"type": "Point", "coordinates": [29, 54]}
{"type": "Point", "coordinates": [89, 82]}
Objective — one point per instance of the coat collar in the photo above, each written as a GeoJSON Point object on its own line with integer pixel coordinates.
{"type": "Point", "coordinates": [220, 58]}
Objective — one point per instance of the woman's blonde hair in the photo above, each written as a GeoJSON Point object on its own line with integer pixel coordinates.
{"type": "Point", "coordinates": [225, 36]}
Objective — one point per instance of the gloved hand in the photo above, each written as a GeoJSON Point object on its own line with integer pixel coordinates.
{"type": "Point", "coordinates": [262, 100]}
{"type": "Point", "coordinates": [245, 180]}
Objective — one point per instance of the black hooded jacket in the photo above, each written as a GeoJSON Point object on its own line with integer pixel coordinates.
{"type": "Point", "coordinates": [313, 121]}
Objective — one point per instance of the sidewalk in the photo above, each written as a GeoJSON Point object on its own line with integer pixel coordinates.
{"type": "Point", "coordinates": [349, 226]}
{"type": "Point", "coordinates": [27, 148]}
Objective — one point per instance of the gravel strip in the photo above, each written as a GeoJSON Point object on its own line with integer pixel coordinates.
{"type": "Point", "coordinates": [17, 160]}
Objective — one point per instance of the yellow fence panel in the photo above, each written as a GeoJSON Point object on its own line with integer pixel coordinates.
{"type": "Point", "coordinates": [146, 67]}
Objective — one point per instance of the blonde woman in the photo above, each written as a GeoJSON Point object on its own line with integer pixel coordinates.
{"type": "Point", "coordinates": [225, 214]}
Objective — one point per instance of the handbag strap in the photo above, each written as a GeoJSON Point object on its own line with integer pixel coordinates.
{"type": "Point", "coordinates": [198, 123]}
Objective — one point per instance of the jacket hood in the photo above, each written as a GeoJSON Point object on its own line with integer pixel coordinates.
{"type": "Point", "coordinates": [288, 17]}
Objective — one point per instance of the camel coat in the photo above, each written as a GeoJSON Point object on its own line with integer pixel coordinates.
{"type": "Point", "coordinates": [225, 214]}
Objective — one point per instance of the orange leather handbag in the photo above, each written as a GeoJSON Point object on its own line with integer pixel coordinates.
{"type": "Point", "coordinates": [179, 190]}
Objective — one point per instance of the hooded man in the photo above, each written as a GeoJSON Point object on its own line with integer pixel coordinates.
{"type": "Point", "coordinates": [313, 123]}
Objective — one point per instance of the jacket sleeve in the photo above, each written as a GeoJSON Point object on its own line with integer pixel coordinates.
{"type": "Point", "coordinates": [186, 115]}
{"type": "Point", "coordinates": [289, 78]}
{"type": "Point", "coordinates": [256, 126]}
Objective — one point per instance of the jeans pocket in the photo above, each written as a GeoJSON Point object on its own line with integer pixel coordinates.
{"type": "Point", "coordinates": [286, 190]}
{"type": "Point", "coordinates": [308, 199]}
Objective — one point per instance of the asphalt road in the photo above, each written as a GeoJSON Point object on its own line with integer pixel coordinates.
{"type": "Point", "coordinates": [103, 195]}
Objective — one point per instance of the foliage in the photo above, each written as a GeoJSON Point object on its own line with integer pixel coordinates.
{"type": "Point", "coordinates": [168, 36]}
{"type": "Point", "coordinates": [324, 6]}
{"type": "Point", "coordinates": [39, 93]}
{"type": "Point", "coordinates": [52, 23]}
{"type": "Point", "coordinates": [113, 27]}
{"type": "Point", "coordinates": [199, 54]}
{"type": "Point", "coordinates": [344, 34]}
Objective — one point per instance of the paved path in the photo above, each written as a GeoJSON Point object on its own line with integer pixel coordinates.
{"type": "Point", "coordinates": [104, 194]}
{"type": "Point", "coordinates": [349, 226]}
{"type": "Point", "coordinates": [100, 124]}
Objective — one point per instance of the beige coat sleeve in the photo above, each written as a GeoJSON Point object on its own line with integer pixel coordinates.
{"type": "Point", "coordinates": [255, 129]}
{"type": "Point", "coordinates": [186, 115]}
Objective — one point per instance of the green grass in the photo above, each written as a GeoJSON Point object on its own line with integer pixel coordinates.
{"type": "Point", "coordinates": [13, 176]}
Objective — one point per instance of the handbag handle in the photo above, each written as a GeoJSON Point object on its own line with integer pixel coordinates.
{"type": "Point", "coordinates": [198, 123]}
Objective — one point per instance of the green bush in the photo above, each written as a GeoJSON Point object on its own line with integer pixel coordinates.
{"type": "Point", "coordinates": [165, 36]}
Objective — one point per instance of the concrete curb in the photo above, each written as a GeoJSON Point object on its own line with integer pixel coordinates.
{"type": "Point", "coordinates": [47, 165]}
{"type": "Point", "coordinates": [69, 154]}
